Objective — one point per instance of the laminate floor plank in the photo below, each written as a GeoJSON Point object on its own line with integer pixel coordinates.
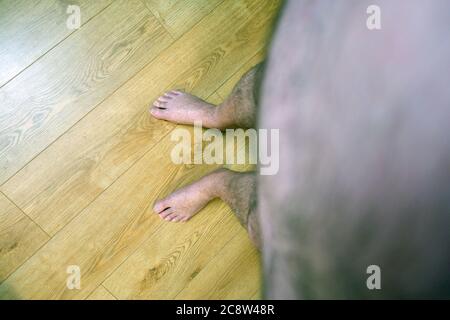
{"type": "Point", "coordinates": [54, 93]}
{"type": "Point", "coordinates": [20, 237]}
{"type": "Point", "coordinates": [28, 29]}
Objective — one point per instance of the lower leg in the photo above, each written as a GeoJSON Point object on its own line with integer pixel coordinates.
{"type": "Point", "coordinates": [239, 108]}
{"type": "Point", "coordinates": [238, 190]}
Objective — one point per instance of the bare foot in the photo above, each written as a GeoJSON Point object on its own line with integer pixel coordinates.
{"type": "Point", "coordinates": [238, 190]}
{"type": "Point", "coordinates": [184, 203]}
{"type": "Point", "coordinates": [184, 108]}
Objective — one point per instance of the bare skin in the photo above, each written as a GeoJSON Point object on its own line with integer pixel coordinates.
{"type": "Point", "coordinates": [237, 111]}
{"type": "Point", "coordinates": [183, 108]}
{"type": "Point", "coordinates": [364, 150]}
{"type": "Point", "coordinates": [184, 203]}
{"type": "Point", "coordinates": [365, 153]}
{"type": "Point", "coordinates": [238, 190]}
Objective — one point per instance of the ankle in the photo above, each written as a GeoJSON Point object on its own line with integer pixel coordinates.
{"type": "Point", "coordinates": [217, 182]}
{"type": "Point", "coordinates": [221, 117]}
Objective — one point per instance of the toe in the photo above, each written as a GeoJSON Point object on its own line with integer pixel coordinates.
{"type": "Point", "coordinates": [177, 92]}
{"type": "Point", "coordinates": [177, 218]}
{"type": "Point", "coordinates": [165, 213]}
{"type": "Point", "coordinates": [157, 112]}
{"type": "Point", "coordinates": [170, 216]}
{"type": "Point", "coordinates": [159, 104]}
{"type": "Point", "coordinates": [168, 96]}
{"type": "Point", "coordinates": [160, 205]}
{"type": "Point", "coordinates": [164, 99]}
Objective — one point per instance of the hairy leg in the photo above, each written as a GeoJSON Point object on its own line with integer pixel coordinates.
{"type": "Point", "coordinates": [238, 190]}
{"type": "Point", "coordinates": [237, 111]}
{"type": "Point", "coordinates": [364, 151]}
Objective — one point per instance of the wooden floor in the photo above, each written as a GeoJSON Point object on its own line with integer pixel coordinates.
{"type": "Point", "coordinates": [81, 161]}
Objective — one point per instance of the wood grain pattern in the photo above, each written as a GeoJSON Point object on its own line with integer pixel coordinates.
{"type": "Point", "coordinates": [28, 29]}
{"type": "Point", "coordinates": [103, 235]}
{"type": "Point", "coordinates": [55, 92]}
{"type": "Point", "coordinates": [176, 254]}
{"type": "Point", "coordinates": [101, 294]}
{"type": "Point", "coordinates": [225, 89]}
{"type": "Point", "coordinates": [217, 280]}
{"type": "Point", "coordinates": [92, 187]}
{"type": "Point", "coordinates": [91, 155]}
{"type": "Point", "coordinates": [173, 13]}
{"type": "Point", "coordinates": [19, 237]}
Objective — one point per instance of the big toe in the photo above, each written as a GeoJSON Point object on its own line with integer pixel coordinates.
{"type": "Point", "coordinates": [157, 112]}
{"type": "Point", "coordinates": [160, 206]}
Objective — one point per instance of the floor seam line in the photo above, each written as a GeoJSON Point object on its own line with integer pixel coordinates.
{"type": "Point", "coordinates": [83, 117]}
{"type": "Point", "coordinates": [109, 291]}
{"type": "Point", "coordinates": [54, 46]}
{"type": "Point", "coordinates": [158, 19]}
{"type": "Point", "coordinates": [209, 261]}
{"type": "Point", "coordinates": [23, 211]}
